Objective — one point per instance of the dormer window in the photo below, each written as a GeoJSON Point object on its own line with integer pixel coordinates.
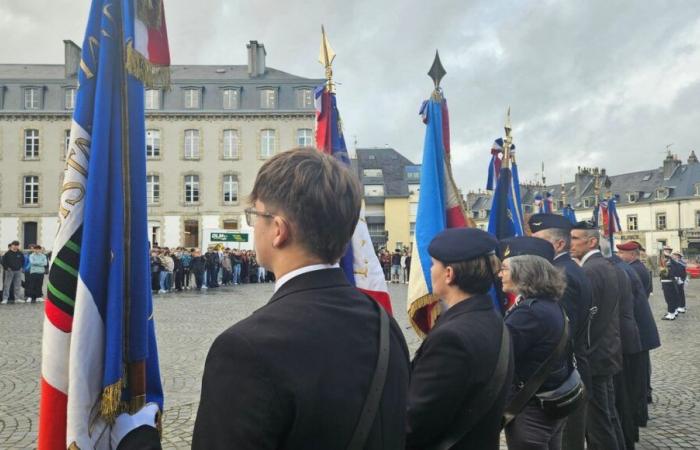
{"type": "Point", "coordinates": [662, 193]}
{"type": "Point", "coordinates": [231, 98]}
{"type": "Point", "coordinates": [193, 98]}
{"type": "Point", "coordinates": [32, 98]}
{"type": "Point", "coordinates": [697, 190]}
{"type": "Point", "coordinates": [588, 202]}
{"type": "Point", "coordinates": [632, 197]}
{"type": "Point", "coordinates": [268, 98]}
{"type": "Point", "coordinates": [305, 98]}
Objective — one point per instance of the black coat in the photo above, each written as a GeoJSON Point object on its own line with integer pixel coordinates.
{"type": "Point", "coordinates": [576, 302]}
{"type": "Point", "coordinates": [13, 260]}
{"type": "Point", "coordinates": [631, 289]}
{"type": "Point", "coordinates": [605, 351]}
{"type": "Point", "coordinates": [454, 363]}
{"type": "Point", "coordinates": [648, 333]}
{"type": "Point", "coordinates": [295, 374]}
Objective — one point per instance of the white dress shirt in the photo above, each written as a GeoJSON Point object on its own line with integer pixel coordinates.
{"type": "Point", "coordinates": [301, 270]}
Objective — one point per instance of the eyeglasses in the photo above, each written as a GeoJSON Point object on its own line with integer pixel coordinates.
{"type": "Point", "coordinates": [251, 214]}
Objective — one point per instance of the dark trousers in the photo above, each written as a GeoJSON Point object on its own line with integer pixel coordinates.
{"type": "Point", "coordinates": [645, 389]}
{"type": "Point", "coordinates": [35, 283]}
{"type": "Point", "coordinates": [199, 278]}
{"type": "Point", "coordinates": [574, 435]}
{"type": "Point", "coordinates": [155, 281]}
{"type": "Point", "coordinates": [179, 279]}
{"type": "Point", "coordinates": [670, 295]}
{"type": "Point", "coordinates": [681, 295]}
{"type": "Point", "coordinates": [186, 276]}
{"type": "Point", "coordinates": [628, 386]}
{"type": "Point", "coordinates": [213, 277]}
{"type": "Point", "coordinates": [603, 430]}
{"type": "Point", "coordinates": [532, 429]}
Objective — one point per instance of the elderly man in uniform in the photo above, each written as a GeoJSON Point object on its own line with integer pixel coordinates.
{"type": "Point", "coordinates": [630, 252]}
{"type": "Point", "coordinates": [605, 348]}
{"type": "Point", "coordinates": [463, 370]}
{"type": "Point", "coordinates": [300, 372]}
{"type": "Point", "coordinates": [577, 304]}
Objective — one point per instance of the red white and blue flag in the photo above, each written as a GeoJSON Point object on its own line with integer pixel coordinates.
{"type": "Point", "coordinates": [99, 355]}
{"type": "Point", "coordinates": [360, 262]}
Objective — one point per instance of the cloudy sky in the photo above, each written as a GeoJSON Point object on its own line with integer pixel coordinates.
{"type": "Point", "coordinates": [596, 83]}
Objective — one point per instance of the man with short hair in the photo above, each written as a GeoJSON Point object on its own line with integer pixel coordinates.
{"type": "Point", "coordinates": [576, 301]}
{"type": "Point", "coordinates": [296, 374]}
{"type": "Point", "coordinates": [604, 345]}
{"type": "Point", "coordinates": [12, 263]}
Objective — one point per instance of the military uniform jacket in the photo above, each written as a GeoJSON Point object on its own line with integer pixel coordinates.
{"type": "Point", "coordinates": [648, 333]}
{"type": "Point", "coordinates": [629, 332]}
{"type": "Point", "coordinates": [605, 352]}
{"type": "Point", "coordinates": [576, 301]}
{"type": "Point", "coordinates": [295, 374]}
{"type": "Point", "coordinates": [453, 364]}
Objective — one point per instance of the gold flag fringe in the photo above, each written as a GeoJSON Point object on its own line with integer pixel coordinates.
{"type": "Point", "coordinates": [422, 302]}
{"type": "Point", "coordinates": [110, 402]}
{"type": "Point", "coordinates": [151, 75]}
{"type": "Point", "coordinates": [73, 446]}
{"type": "Point", "coordinates": [159, 423]}
{"type": "Point", "coordinates": [150, 12]}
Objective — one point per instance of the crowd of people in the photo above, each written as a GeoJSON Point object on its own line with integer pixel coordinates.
{"type": "Point", "coordinates": [182, 269]}
{"type": "Point", "coordinates": [396, 265]}
{"type": "Point", "coordinates": [23, 274]}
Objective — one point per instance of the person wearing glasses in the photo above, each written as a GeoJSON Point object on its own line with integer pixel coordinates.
{"type": "Point", "coordinates": [297, 372]}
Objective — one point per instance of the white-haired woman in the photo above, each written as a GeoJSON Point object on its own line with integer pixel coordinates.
{"type": "Point", "coordinates": [536, 323]}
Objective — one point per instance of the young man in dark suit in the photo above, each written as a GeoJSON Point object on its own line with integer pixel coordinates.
{"type": "Point", "coordinates": [297, 372]}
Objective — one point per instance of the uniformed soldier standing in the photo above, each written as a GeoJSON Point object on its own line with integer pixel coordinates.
{"type": "Point", "coordinates": [605, 348]}
{"type": "Point", "coordinates": [671, 275]}
{"type": "Point", "coordinates": [678, 257]}
{"type": "Point", "coordinates": [576, 301]}
{"type": "Point", "coordinates": [648, 333]}
{"type": "Point", "coordinates": [460, 356]}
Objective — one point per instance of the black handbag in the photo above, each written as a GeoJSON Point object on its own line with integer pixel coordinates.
{"type": "Point", "coordinates": [565, 399]}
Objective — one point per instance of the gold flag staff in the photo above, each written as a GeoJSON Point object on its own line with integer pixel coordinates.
{"type": "Point", "coordinates": [326, 57]}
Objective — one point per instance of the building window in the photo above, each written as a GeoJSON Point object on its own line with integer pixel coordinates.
{"type": "Point", "coordinates": [31, 144]}
{"type": "Point", "coordinates": [372, 173]}
{"type": "Point", "coordinates": [305, 98]}
{"type": "Point", "coordinates": [191, 144]}
{"type": "Point", "coordinates": [661, 193]}
{"type": "Point", "coordinates": [152, 189]}
{"type": "Point", "coordinates": [376, 229]}
{"type": "Point", "coordinates": [697, 190]}
{"type": "Point", "coordinates": [152, 144]}
{"type": "Point", "coordinates": [231, 98]}
{"type": "Point", "coordinates": [191, 189]}
{"type": "Point", "coordinates": [413, 209]}
{"type": "Point", "coordinates": [268, 98]}
{"type": "Point", "coordinates": [697, 219]}
{"type": "Point", "coordinates": [66, 143]}
{"type": "Point", "coordinates": [412, 173]}
{"type": "Point", "coordinates": [632, 197]}
{"type": "Point", "coordinates": [661, 221]}
{"type": "Point", "coordinates": [230, 189]}
{"type": "Point", "coordinates": [232, 143]}
{"type": "Point", "coordinates": [482, 214]}
{"type": "Point", "coordinates": [192, 98]}
{"type": "Point", "coordinates": [632, 224]}
{"type": "Point", "coordinates": [267, 143]}
{"type": "Point", "coordinates": [412, 228]}
{"type": "Point", "coordinates": [230, 224]}
{"type": "Point", "coordinates": [305, 137]}
{"type": "Point", "coordinates": [31, 190]}
{"type": "Point", "coordinates": [70, 98]}
{"type": "Point", "coordinates": [588, 202]}
{"type": "Point", "coordinates": [374, 190]}
{"type": "Point", "coordinates": [32, 98]}
{"type": "Point", "coordinates": [152, 99]}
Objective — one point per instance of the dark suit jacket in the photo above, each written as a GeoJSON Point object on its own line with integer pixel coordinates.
{"type": "Point", "coordinates": [605, 352]}
{"type": "Point", "coordinates": [453, 364]}
{"type": "Point", "coordinates": [295, 374]}
{"type": "Point", "coordinates": [629, 292]}
{"type": "Point", "coordinates": [648, 333]}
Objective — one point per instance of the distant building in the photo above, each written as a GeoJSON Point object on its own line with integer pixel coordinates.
{"type": "Point", "coordinates": [206, 138]}
{"type": "Point", "coordinates": [657, 207]}
{"type": "Point", "coordinates": [391, 184]}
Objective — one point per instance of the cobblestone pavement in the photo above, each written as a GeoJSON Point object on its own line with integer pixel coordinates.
{"type": "Point", "coordinates": [188, 322]}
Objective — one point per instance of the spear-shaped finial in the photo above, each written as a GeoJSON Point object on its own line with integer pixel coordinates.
{"type": "Point", "coordinates": [326, 57]}
{"type": "Point", "coordinates": [508, 141]}
{"type": "Point", "coordinates": [437, 71]}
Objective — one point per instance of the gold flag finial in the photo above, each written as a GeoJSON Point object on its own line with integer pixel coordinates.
{"type": "Point", "coordinates": [326, 58]}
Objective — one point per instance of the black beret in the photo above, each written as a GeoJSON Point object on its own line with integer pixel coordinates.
{"type": "Point", "coordinates": [461, 244]}
{"type": "Point", "coordinates": [526, 245]}
{"type": "Point", "coordinates": [584, 225]}
{"type": "Point", "coordinates": [545, 221]}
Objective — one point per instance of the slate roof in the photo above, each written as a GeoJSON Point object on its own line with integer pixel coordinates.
{"type": "Point", "coordinates": [393, 165]}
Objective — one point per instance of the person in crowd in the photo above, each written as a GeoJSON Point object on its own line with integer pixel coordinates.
{"type": "Point", "coordinates": [604, 345]}
{"type": "Point", "coordinates": [537, 324]}
{"type": "Point", "coordinates": [272, 380]}
{"type": "Point", "coordinates": [245, 267]}
{"type": "Point", "coordinates": [166, 273]}
{"type": "Point", "coordinates": [227, 268]}
{"type": "Point", "coordinates": [630, 252]}
{"type": "Point", "coordinates": [237, 262]}
{"type": "Point", "coordinates": [177, 270]}
{"type": "Point", "coordinates": [461, 356]}
{"type": "Point", "coordinates": [12, 264]}
{"type": "Point", "coordinates": [576, 301]}
{"type": "Point", "coordinates": [403, 266]}
{"type": "Point", "coordinates": [395, 266]}
{"type": "Point", "coordinates": [678, 257]}
{"type": "Point", "coordinates": [186, 259]}
{"type": "Point", "coordinates": [198, 267]}
{"type": "Point", "coordinates": [156, 267]}
{"type": "Point", "coordinates": [671, 275]}
{"type": "Point", "coordinates": [212, 268]}
{"type": "Point", "coordinates": [407, 272]}
{"type": "Point", "coordinates": [385, 261]}
{"type": "Point", "coordinates": [37, 270]}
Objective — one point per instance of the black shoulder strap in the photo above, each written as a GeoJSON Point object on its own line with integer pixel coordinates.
{"type": "Point", "coordinates": [483, 401]}
{"type": "Point", "coordinates": [376, 387]}
{"type": "Point", "coordinates": [533, 384]}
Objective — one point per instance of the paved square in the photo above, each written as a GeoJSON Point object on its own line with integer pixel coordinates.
{"type": "Point", "coordinates": [187, 323]}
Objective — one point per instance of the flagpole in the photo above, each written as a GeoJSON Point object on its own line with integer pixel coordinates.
{"type": "Point", "coordinates": [507, 141]}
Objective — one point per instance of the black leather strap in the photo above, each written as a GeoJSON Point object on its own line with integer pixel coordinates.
{"type": "Point", "coordinates": [376, 387]}
{"type": "Point", "coordinates": [533, 384]}
{"type": "Point", "coordinates": [482, 402]}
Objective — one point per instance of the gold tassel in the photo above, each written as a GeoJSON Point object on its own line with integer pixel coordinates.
{"type": "Point", "coordinates": [73, 446]}
{"type": "Point", "coordinates": [151, 75]}
{"type": "Point", "coordinates": [110, 402]}
{"type": "Point", "coordinates": [150, 12]}
{"type": "Point", "coordinates": [419, 303]}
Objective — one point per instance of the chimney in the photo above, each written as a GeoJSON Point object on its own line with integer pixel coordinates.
{"type": "Point", "coordinates": [692, 159]}
{"type": "Point", "coordinates": [256, 59]}
{"type": "Point", "coordinates": [581, 180]}
{"type": "Point", "coordinates": [71, 58]}
{"type": "Point", "coordinates": [670, 165]}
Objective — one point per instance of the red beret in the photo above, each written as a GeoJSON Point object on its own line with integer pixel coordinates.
{"type": "Point", "coordinates": [630, 245]}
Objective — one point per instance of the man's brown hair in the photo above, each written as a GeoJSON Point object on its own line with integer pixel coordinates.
{"type": "Point", "coordinates": [317, 194]}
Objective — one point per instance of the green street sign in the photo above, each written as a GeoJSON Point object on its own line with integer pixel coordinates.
{"type": "Point", "coordinates": [229, 237]}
